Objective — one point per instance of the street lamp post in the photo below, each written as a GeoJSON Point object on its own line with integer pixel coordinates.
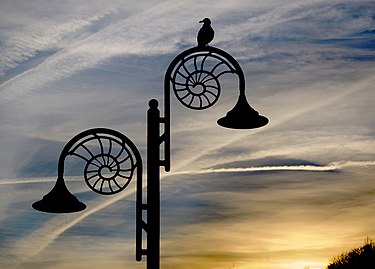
{"type": "Point", "coordinates": [111, 159]}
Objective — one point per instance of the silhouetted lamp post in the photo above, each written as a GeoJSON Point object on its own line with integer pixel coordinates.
{"type": "Point", "coordinates": [111, 159]}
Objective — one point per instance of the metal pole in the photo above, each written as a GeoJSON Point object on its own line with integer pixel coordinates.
{"type": "Point", "coordinates": [153, 185]}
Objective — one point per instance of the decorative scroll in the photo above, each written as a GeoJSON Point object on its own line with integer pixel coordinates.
{"type": "Point", "coordinates": [195, 79]}
{"type": "Point", "coordinates": [110, 160]}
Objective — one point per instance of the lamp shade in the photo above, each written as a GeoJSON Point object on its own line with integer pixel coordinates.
{"type": "Point", "coordinates": [242, 116]}
{"type": "Point", "coordinates": [59, 200]}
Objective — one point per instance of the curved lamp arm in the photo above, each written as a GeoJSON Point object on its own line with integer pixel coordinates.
{"type": "Point", "coordinates": [195, 79]}
{"type": "Point", "coordinates": [112, 160]}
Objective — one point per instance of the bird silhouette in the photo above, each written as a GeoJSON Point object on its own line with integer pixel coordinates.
{"type": "Point", "coordinates": [206, 33]}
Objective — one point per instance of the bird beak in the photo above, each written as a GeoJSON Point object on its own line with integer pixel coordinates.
{"type": "Point", "coordinates": [200, 21]}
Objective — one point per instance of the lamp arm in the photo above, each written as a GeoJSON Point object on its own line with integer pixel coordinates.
{"type": "Point", "coordinates": [197, 57]}
{"type": "Point", "coordinates": [105, 153]}
{"type": "Point", "coordinates": [111, 159]}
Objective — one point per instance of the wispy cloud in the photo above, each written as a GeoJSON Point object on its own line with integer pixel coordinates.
{"type": "Point", "coordinates": [41, 36]}
{"type": "Point", "coordinates": [25, 181]}
{"type": "Point", "coordinates": [144, 33]}
{"type": "Point", "coordinates": [72, 65]}
{"type": "Point", "coordinates": [52, 229]}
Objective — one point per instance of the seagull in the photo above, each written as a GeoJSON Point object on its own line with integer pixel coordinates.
{"type": "Point", "coordinates": [206, 33]}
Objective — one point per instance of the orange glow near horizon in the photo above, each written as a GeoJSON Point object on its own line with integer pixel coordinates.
{"type": "Point", "coordinates": [302, 264]}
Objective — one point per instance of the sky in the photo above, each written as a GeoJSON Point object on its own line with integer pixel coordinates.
{"type": "Point", "coordinates": [289, 195]}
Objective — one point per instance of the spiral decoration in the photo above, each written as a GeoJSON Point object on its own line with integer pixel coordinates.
{"type": "Point", "coordinates": [110, 160]}
{"type": "Point", "coordinates": [195, 79]}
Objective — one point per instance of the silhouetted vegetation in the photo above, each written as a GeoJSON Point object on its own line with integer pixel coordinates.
{"type": "Point", "coordinates": [358, 258]}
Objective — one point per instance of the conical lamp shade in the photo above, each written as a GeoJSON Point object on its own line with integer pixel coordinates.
{"type": "Point", "coordinates": [242, 116]}
{"type": "Point", "coordinates": [59, 200]}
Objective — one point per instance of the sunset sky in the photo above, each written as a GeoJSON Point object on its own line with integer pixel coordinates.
{"type": "Point", "coordinates": [289, 195]}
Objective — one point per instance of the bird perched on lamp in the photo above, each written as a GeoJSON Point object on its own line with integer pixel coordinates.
{"type": "Point", "coordinates": [206, 33]}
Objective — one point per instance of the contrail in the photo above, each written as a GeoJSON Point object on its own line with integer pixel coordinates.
{"type": "Point", "coordinates": [333, 166]}
{"type": "Point", "coordinates": [35, 180]}
{"type": "Point", "coordinates": [313, 168]}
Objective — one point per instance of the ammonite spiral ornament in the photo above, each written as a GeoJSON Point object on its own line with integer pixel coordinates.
{"type": "Point", "coordinates": [110, 160]}
{"type": "Point", "coordinates": [195, 80]}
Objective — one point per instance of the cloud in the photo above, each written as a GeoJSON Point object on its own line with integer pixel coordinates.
{"type": "Point", "coordinates": [297, 26]}
{"type": "Point", "coordinates": [304, 122]}
{"type": "Point", "coordinates": [147, 32]}
{"type": "Point", "coordinates": [281, 217]}
{"type": "Point", "coordinates": [38, 36]}
{"type": "Point", "coordinates": [252, 199]}
{"type": "Point", "coordinates": [53, 226]}
{"type": "Point", "coordinates": [132, 36]}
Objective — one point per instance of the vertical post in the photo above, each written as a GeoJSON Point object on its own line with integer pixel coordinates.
{"type": "Point", "coordinates": [153, 185]}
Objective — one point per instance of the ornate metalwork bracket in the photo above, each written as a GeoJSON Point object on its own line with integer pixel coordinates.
{"type": "Point", "coordinates": [194, 76]}
{"type": "Point", "coordinates": [111, 159]}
